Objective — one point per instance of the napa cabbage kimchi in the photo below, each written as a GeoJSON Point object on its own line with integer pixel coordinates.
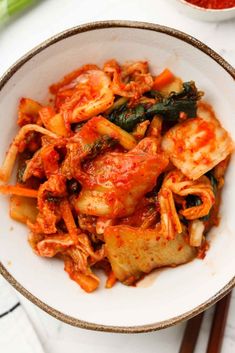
{"type": "Point", "coordinates": [121, 171]}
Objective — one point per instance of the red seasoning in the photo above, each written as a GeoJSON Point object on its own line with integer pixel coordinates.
{"type": "Point", "coordinates": [213, 4]}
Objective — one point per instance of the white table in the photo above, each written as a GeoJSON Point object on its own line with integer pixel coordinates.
{"type": "Point", "coordinates": [41, 22]}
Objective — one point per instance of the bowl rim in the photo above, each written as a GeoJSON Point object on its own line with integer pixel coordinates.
{"type": "Point", "coordinates": [204, 9]}
{"type": "Point", "coordinates": [7, 76]}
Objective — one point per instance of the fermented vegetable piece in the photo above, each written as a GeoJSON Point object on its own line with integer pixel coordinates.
{"type": "Point", "coordinates": [176, 103]}
{"type": "Point", "coordinates": [23, 209]}
{"type": "Point", "coordinates": [196, 229]}
{"type": "Point", "coordinates": [93, 202]}
{"type": "Point", "coordinates": [128, 118]}
{"type": "Point", "coordinates": [131, 80]}
{"type": "Point", "coordinates": [170, 223]}
{"type": "Point", "coordinates": [105, 127]}
{"type": "Point", "coordinates": [52, 121]}
{"type": "Point", "coordinates": [140, 130]}
{"type": "Point", "coordinates": [8, 164]}
{"type": "Point", "coordinates": [77, 263]}
{"type": "Point", "coordinates": [219, 171]}
{"type": "Point", "coordinates": [175, 86]}
{"type": "Point", "coordinates": [155, 127]}
{"type": "Point", "coordinates": [87, 281]}
{"type": "Point", "coordinates": [116, 182]}
{"type": "Point", "coordinates": [91, 96]}
{"type": "Point", "coordinates": [69, 220]}
{"type": "Point", "coordinates": [133, 252]}
{"type": "Point", "coordinates": [50, 194]}
{"type": "Point", "coordinates": [70, 80]}
{"type": "Point", "coordinates": [96, 136]}
{"type": "Point", "coordinates": [56, 124]}
{"type": "Point", "coordinates": [117, 104]}
{"type": "Point", "coordinates": [51, 246]}
{"type": "Point", "coordinates": [111, 280]}
{"type": "Point", "coordinates": [28, 112]}
{"type": "Point", "coordinates": [18, 190]}
{"type": "Point", "coordinates": [197, 145]}
{"type": "Point", "coordinates": [180, 100]}
{"type": "Point", "coordinates": [180, 185]}
{"type": "Point", "coordinates": [165, 77]}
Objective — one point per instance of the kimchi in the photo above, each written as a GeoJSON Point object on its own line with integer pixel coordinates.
{"type": "Point", "coordinates": [122, 171]}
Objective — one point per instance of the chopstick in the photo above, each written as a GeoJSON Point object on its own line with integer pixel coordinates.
{"type": "Point", "coordinates": [218, 325]}
{"type": "Point", "coordinates": [191, 334]}
{"type": "Point", "coordinates": [192, 329]}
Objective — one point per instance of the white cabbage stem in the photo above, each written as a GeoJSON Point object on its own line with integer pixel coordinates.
{"type": "Point", "coordinates": [196, 229]}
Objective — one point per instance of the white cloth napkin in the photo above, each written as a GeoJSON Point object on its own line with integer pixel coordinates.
{"type": "Point", "coordinates": [16, 331]}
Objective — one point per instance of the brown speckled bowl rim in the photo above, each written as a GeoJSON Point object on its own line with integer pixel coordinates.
{"type": "Point", "coordinates": [6, 77]}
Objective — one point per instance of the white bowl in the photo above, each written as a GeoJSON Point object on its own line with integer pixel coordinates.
{"type": "Point", "coordinates": [200, 13]}
{"type": "Point", "coordinates": [166, 296]}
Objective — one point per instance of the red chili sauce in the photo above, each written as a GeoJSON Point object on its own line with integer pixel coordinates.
{"type": "Point", "coordinates": [213, 4]}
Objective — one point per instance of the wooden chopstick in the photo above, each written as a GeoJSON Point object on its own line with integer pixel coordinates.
{"type": "Point", "coordinates": [191, 334]}
{"type": "Point", "coordinates": [218, 325]}
{"type": "Point", "coordinates": [216, 333]}
{"type": "Point", "coordinates": [192, 329]}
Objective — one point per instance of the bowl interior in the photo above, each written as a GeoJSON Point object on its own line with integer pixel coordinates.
{"type": "Point", "coordinates": [164, 294]}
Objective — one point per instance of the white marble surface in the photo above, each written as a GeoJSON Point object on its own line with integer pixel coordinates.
{"type": "Point", "coordinates": [41, 22]}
